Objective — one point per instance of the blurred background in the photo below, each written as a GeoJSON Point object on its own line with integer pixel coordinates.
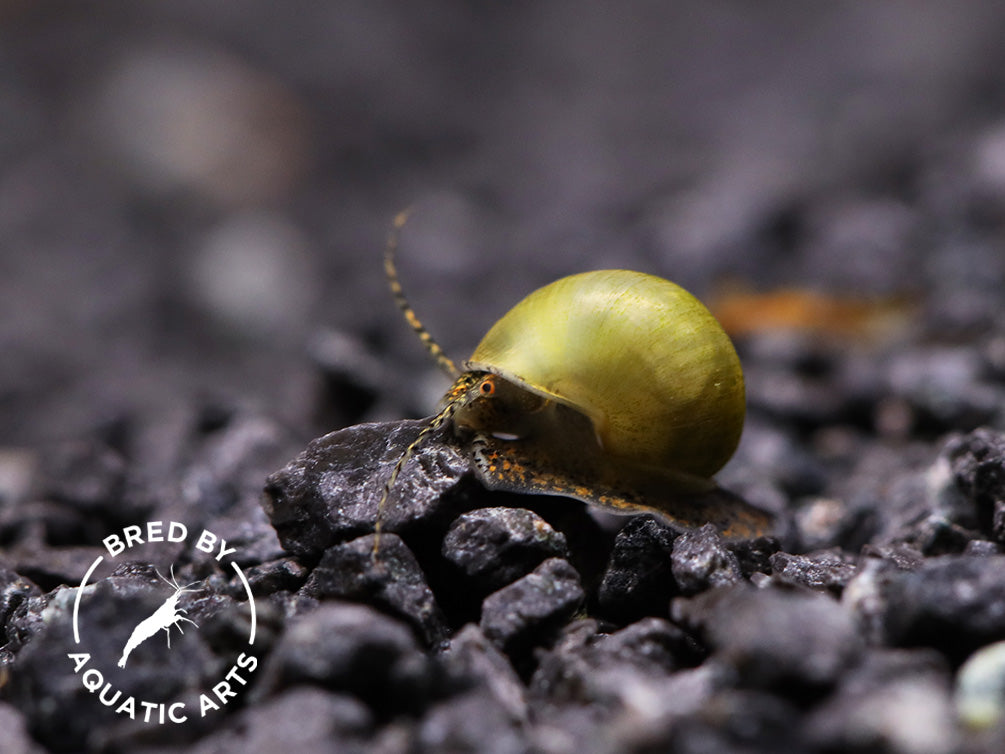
{"type": "Point", "coordinates": [194, 197]}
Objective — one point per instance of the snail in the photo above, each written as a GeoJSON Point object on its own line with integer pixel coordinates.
{"type": "Point", "coordinates": [613, 387]}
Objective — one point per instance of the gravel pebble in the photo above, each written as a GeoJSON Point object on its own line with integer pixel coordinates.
{"type": "Point", "coordinates": [526, 609]}
{"type": "Point", "coordinates": [865, 595]}
{"type": "Point", "coordinates": [14, 590]}
{"type": "Point", "coordinates": [473, 661]}
{"type": "Point", "coordinates": [826, 570]}
{"type": "Point", "coordinates": [586, 667]}
{"type": "Point", "coordinates": [390, 578]}
{"type": "Point", "coordinates": [638, 579]}
{"type": "Point", "coordinates": [284, 574]}
{"type": "Point", "coordinates": [953, 603]}
{"type": "Point", "coordinates": [302, 719]}
{"type": "Point", "coordinates": [493, 547]}
{"type": "Point", "coordinates": [944, 388]}
{"type": "Point", "coordinates": [85, 476]}
{"type": "Point", "coordinates": [734, 721]}
{"type": "Point", "coordinates": [473, 722]}
{"type": "Point", "coordinates": [978, 466]}
{"type": "Point", "coordinates": [329, 493]}
{"type": "Point", "coordinates": [828, 522]}
{"type": "Point", "coordinates": [754, 556]}
{"type": "Point", "coordinates": [701, 561]}
{"type": "Point", "coordinates": [775, 638]}
{"type": "Point", "coordinates": [17, 739]}
{"type": "Point", "coordinates": [351, 649]}
{"type": "Point", "coordinates": [892, 701]}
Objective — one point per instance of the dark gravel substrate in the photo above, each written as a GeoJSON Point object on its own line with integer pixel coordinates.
{"type": "Point", "coordinates": [193, 204]}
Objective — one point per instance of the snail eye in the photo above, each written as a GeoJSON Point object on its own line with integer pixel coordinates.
{"type": "Point", "coordinates": [487, 388]}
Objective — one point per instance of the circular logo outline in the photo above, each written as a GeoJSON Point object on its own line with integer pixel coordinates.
{"type": "Point", "coordinates": [166, 616]}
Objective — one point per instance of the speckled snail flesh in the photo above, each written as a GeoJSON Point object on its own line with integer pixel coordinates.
{"type": "Point", "coordinates": [614, 387]}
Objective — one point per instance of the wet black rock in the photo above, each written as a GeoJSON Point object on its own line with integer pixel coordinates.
{"type": "Point", "coordinates": [16, 738]}
{"type": "Point", "coordinates": [493, 547]}
{"type": "Point", "coordinates": [638, 580]}
{"type": "Point", "coordinates": [472, 661]}
{"type": "Point", "coordinates": [632, 711]}
{"type": "Point", "coordinates": [330, 492]}
{"type": "Point", "coordinates": [390, 579]}
{"type": "Point", "coordinates": [14, 590]}
{"type": "Point", "coordinates": [789, 640]}
{"type": "Point", "coordinates": [284, 574]}
{"type": "Point", "coordinates": [933, 509]}
{"type": "Point", "coordinates": [301, 719]}
{"type": "Point", "coordinates": [587, 667]}
{"type": "Point", "coordinates": [50, 567]}
{"type": "Point", "coordinates": [735, 720]}
{"type": "Point", "coordinates": [898, 556]}
{"type": "Point", "coordinates": [224, 623]}
{"type": "Point", "coordinates": [529, 609]}
{"type": "Point", "coordinates": [754, 555]}
{"type": "Point", "coordinates": [892, 700]}
{"type": "Point", "coordinates": [25, 620]}
{"type": "Point", "coordinates": [351, 649]}
{"type": "Point", "coordinates": [982, 548]}
{"type": "Point", "coordinates": [820, 523]}
{"type": "Point", "coordinates": [33, 525]}
{"type": "Point", "coordinates": [955, 604]}
{"type": "Point", "coordinates": [936, 535]}
{"type": "Point", "coordinates": [944, 388]}
{"type": "Point", "coordinates": [85, 475]}
{"type": "Point", "coordinates": [474, 722]}
{"type": "Point", "coordinates": [651, 643]}
{"type": "Point", "coordinates": [978, 465]}
{"type": "Point", "coordinates": [865, 593]}
{"type": "Point", "coordinates": [624, 691]}
{"type": "Point", "coordinates": [588, 535]}
{"type": "Point", "coordinates": [911, 497]}
{"type": "Point", "coordinates": [825, 570]}
{"type": "Point", "coordinates": [701, 561]}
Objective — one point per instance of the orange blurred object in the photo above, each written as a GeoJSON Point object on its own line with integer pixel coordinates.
{"type": "Point", "coordinates": [744, 312]}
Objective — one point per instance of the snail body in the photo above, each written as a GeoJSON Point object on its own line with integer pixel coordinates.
{"type": "Point", "coordinates": [614, 387]}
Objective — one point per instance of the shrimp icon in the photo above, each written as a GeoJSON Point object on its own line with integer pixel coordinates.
{"type": "Point", "coordinates": [164, 617]}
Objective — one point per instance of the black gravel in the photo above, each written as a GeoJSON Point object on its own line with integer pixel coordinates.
{"type": "Point", "coordinates": [515, 616]}
{"type": "Point", "coordinates": [194, 200]}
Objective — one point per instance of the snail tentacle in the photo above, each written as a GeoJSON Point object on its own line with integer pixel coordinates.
{"type": "Point", "coordinates": [391, 271]}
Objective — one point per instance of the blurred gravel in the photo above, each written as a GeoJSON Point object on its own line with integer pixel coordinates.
{"type": "Point", "coordinates": [193, 204]}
